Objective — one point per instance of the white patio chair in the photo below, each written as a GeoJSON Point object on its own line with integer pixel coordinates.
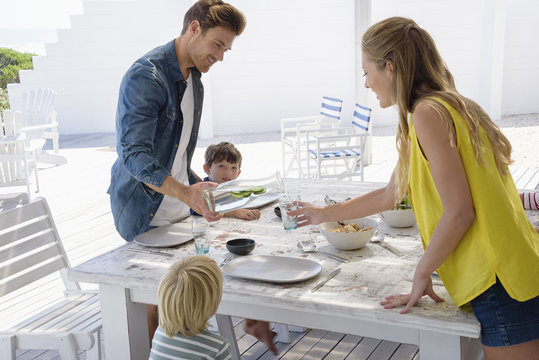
{"type": "Point", "coordinates": [31, 249]}
{"type": "Point", "coordinates": [16, 162]}
{"type": "Point", "coordinates": [344, 144]}
{"type": "Point", "coordinates": [293, 140]}
{"type": "Point", "coordinates": [40, 124]}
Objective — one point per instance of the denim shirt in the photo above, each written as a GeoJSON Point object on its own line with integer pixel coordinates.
{"type": "Point", "coordinates": [149, 124]}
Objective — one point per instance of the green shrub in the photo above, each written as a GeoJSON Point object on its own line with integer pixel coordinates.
{"type": "Point", "coordinates": [11, 62]}
{"type": "Point", "coordinates": [4, 101]}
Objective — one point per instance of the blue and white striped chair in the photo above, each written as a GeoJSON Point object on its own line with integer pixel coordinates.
{"type": "Point", "coordinates": [344, 144]}
{"type": "Point", "coordinates": [293, 130]}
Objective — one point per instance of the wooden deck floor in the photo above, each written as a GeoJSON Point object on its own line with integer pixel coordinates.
{"type": "Point", "coordinates": [77, 196]}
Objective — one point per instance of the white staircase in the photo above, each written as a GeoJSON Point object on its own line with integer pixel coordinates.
{"type": "Point", "coordinates": [87, 63]}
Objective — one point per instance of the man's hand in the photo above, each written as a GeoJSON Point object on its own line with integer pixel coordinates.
{"type": "Point", "coordinates": [194, 197]}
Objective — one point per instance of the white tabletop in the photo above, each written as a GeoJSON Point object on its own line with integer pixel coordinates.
{"type": "Point", "coordinates": [373, 272]}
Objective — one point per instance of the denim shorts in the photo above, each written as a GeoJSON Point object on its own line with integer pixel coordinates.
{"type": "Point", "coordinates": [504, 320]}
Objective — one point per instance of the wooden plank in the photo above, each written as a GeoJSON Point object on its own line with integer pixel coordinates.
{"type": "Point", "coordinates": [304, 345]}
{"type": "Point", "coordinates": [384, 350]}
{"type": "Point", "coordinates": [9, 285]}
{"type": "Point", "coordinates": [324, 346]}
{"type": "Point", "coordinates": [343, 348]}
{"type": "Point", "coordinates": [20, 264]}
{"type": "Point", "coordinates": [364, 349]}
{"type": "Point", "coordinates": [21, 215]}
{"type": "Point", "coordinates": [405, 352]}
{"type": "Point", "coordinates": [10, 252]}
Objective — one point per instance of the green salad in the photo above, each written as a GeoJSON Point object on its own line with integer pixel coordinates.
{"type": "Point", "coordinates": [257, 190]}
{"type": "Point", "coordinates": [404, 204]}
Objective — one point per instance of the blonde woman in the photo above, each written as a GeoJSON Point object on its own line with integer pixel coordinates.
{"type": "Point", "coordinates": [189, 294]}
{"type": "Point", "coordinates": [453, 164]}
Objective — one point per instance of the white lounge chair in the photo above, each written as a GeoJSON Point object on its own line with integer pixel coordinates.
{"type": "Point", "coordinates": [30, 250]}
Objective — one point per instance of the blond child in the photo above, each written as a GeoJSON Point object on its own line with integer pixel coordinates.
{"type": "Point", "coordinates": [222, 162]}
{"type": "Point", "coordinates": [188, 295]}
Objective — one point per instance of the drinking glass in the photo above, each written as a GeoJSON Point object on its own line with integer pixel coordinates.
{"type": "Point", "coordinates": [199, 227]}
{"type": "Point", "coordinates": [287, 204]}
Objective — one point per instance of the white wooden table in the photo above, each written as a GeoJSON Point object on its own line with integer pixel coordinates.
{"type": "Point", "coordinates": [349, 303]}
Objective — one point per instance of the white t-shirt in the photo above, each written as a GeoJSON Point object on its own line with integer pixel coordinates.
{"type": "Point", "coordinates": [171, 209]}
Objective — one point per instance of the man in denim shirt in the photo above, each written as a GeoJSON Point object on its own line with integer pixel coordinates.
{"type": "Point", "coordinates": [157, 121]}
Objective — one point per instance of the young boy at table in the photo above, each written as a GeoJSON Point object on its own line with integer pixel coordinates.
{"type": "Point", "coordinates": [222, 162]}
{"type": "Point", "coordinates": [188, 295]}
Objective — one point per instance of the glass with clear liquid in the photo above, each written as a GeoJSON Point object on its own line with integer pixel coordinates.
{"type": "Point", "coordinates": [237, 193]}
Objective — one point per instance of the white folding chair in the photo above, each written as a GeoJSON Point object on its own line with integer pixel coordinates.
{"type": "Point", "coordinates": [30, 250]}
{"type": "Point", "coordinates": [344, 145]}
{"type": "Point", "coordinates": [293, 139]}
{"type": "Point", "coordinates": [16, 161]}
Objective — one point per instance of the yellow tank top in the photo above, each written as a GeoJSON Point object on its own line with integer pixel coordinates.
{"type": "Point", "coordinates": [500, 242]}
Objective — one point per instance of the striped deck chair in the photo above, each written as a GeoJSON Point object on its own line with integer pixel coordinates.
{"type": "Point", "coordinates": [293, 139]}
{"type": "Point", "coordinates": [342, 148]}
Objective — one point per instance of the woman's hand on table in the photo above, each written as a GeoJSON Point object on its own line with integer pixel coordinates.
{"type": "Point", "coordinates": [422, 286]}
{"type": "Point", "coordinates": [307, 214]}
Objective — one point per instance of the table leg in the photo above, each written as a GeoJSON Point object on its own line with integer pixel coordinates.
{"type": "Point", "coordinates": [433, 345]}
{"type": "Point", "coordinates": [226, 329]}
{"type": "Point", "coordinates": [125, 326]}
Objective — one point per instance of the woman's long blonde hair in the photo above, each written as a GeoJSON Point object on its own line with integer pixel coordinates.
{"type": "Point", "coordinates": [189, 294]}
{"type": "Point", "coordinates": [420, 73]}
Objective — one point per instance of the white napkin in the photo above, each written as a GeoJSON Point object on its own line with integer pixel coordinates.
{"type": "Point", "coordinates": [530, 200]}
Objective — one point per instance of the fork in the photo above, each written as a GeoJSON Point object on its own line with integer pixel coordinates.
{"type": "Point", "coordinates": [226, 259]}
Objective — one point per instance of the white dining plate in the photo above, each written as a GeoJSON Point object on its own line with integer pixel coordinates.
{"type": "Point", "coordinates": [275, 269]}
{"type": "Point", "coordinates": [166, 236]}
{"type": "Point", "coordinates": [262, 200]}
{"type": "Point", "coordinates": [253, 202]}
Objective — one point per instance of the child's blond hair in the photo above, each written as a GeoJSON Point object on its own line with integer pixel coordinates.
{"type": "Point", "coordinates": [189, 294]}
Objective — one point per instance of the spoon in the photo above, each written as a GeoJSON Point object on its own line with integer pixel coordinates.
{"type": "Point", "coordinates": [379, 239]}
{"type": "Point", "coordinates": [308, 247]}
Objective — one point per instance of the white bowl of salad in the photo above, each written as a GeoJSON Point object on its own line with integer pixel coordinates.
{"type": "Point", "coordinates": [402, 216]}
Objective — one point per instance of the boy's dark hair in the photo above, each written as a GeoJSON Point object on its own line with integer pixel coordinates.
{"type": "Point", "coordinates": [222, 151]}
{"type": "Point", "coordinates": [212, 13]}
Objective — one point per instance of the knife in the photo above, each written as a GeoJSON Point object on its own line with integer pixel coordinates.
{"type": "Point", "coordinates": [151, 252]}
{"type": "Point", "coordinates": [329, 277]}
{"type": "Point", "coordinates": [333, 256]}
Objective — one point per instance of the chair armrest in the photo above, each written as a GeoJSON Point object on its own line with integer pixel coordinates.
{"type": "Point", "coordinates": [39, 127]}
{"type": "Point", "coordinates": [12, 139]}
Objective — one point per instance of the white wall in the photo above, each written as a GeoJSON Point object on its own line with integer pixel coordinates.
{"type": "Point", "coordinates": [291, 54]}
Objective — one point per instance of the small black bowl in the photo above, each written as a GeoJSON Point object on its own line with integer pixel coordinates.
{"type": "Point", "coordinates": [240, 246]}
{"type": "Point", "coordinates": [277, 211]}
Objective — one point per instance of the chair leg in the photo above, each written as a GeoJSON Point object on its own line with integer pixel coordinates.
{"type": "Point", "coordinates": [66, 347]}
{"type": "Point", "coordinates": [7, 347]}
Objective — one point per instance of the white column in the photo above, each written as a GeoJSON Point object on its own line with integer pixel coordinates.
{"type": "Point", "coordinates": [206, 122]}
{"type": "Point", "coordinates": [362, 22]}
{"type": "Point", "coordinates": [492, 57]}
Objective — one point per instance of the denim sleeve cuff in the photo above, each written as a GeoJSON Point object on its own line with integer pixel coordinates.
{"type": "Point", "coordinates": [157, 179]}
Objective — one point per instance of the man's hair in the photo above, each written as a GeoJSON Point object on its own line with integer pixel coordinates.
{"type": "Point", "coordinates": [222, 151]}
{"type": "Point", "coordinates": [189, 294]}
{"type": "Point", "coordinates": [212, 13]}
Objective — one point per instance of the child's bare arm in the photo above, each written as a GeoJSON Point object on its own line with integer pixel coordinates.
{"type": "Point", "coordinates": [244, 214]}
